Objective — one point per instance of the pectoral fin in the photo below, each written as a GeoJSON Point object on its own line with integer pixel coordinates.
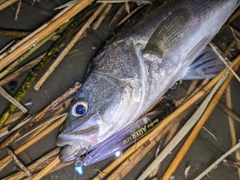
{"type": "Point", "coordinates": [169, 34]}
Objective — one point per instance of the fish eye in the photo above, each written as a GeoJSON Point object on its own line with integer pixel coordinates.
{"type": "Point", "coordinates": [79, 108]}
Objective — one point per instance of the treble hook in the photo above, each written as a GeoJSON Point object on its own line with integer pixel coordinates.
{"type": "Point", "coordinates": [78, 161]}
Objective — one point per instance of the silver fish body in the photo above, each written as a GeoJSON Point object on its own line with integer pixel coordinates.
{"type": "Point", "coordinates": [132, 73]}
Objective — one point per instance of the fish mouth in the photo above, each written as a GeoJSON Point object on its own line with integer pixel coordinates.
{"type": "Point", "coordinates": [69, 153]}
{"type": "Point", "coordinates": [83, 137]}
{"type": "Point", "coordinates": [72, 147]}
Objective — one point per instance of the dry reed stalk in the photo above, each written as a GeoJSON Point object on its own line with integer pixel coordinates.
{"type": "Point", "coordinates": [32, 74]}
{"type": "Point", "coordinates": [231, 125]}
{"type": "Point", "coordinates": [192, 86]}
{"type": "Point", "coordinates": [19, 163]}
{"type": "Point", "coordinates": [6, 46]}
{"type": "Point", "coordinates": [102, 16]}
{"type": "Point", "coordinates": [231, 113]}
{"type": "Point", "coordinates": [60, 166]}
{"type": "Point", "coordinates": [184, 130]}
{"type": "Point", "coordinates": [33, 34]}
{"type": "Point", "coordinates": [68, 47]}
{"type": "Point", "coordinates": [122, 1]}
{"type": "Point", "coordinates": [36, 166]}
{"type": "Point", "coordinates": [234, 148]}
{"type": "Point", "coordinates": [230, 46]}
{"type": "Point", "coordinates": [228, 91]}
{"type": "Point", "coordinates": [4, 162]}
{"type": "Point", "coordinates": [230, 120]}
{"type": "Point", "coordinates": [238, 161]}
{"type": "Point", "coordinates": [13, 34]}
{"type": "Point", "coordinates": [167, 120]}
{"type": "Point", "coordinates": [233, 16]}
{"type": "Point", "coordinates": [173, 130]}
{"type": "Point", "coordinates": [38, 9]}
{"type": "Point", "coordinates": [129, 15]}
{"type": "Point", "coordinates": [21, 70]}
{"type": "Point", "coordinates": [204, 82]}
{"type": "Point", "coordinates": [191, 94]}
{"type": "Point", "coordinates": [57, 114]}
{"type": "Point", "coordinates": [6, 4]}
{"type": "Point", "coordinates": [170, 135]}
{"type": "Point", "coordinates": [132, 160]}
{"type": "Point", "coordinates": [13, 117]}
{"type": "Point", "coordinates": [22, 58]}
{"type": "Point", "coordinates": [17, 123]}
{"type": "Point", "coordinates": [37, 118]}
{"type": "Point", "coordinates": [34, 132]}
{"type": "Point", "coordinates": [117, 14]}
{"type": "Point", "coordinates": [5, 130]}
{"type": "Point", "coordinates": [69, 13]}
{"type": "Point", "coordinates": [215, 49]}
{"type": "Point", "coordinates": [127, 8]}
{"type": "Point", "coordinates": [48, 168]}
{"type": "Point", "coordinates": [235, 32]}
{"type": "Point", "coordinates": [18, 10]}
{"type": "Point", "coordinates": [197, 129]}
{"type": "Point", "coordinates": [12, 100]}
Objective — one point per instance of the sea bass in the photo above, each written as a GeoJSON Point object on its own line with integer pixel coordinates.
{"type": "Point", "coordinates": [133, 72]}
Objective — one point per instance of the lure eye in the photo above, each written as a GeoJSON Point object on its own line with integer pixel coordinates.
{"type": "Point", "coordinates": [79, 108]}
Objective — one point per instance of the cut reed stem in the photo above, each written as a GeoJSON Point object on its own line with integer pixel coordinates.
{"type": "Point", "coordinates": [184, 130]}
{"type": "Point", "coordinates": [48, 168]}
{"type": "Point", "coordinates": [36, 166]}
{"type": "Point", "coordinates": [234, 148]}
{"type": "Point", "coordinates": [69, 13]}
{"type": "Point", "coordinates": [37, 118]}
{"type": "Point", "coordinates": [4, 162]}
{"type": "Point", "coordinates": [18, 162]}
{"type": "Point", "coordinates": [68, 47]}
{"type": "Point", "coordinates": [197, 129]}
{"type": "Point", "coordinates": [21, 70]}
{"type": "Point", "coordinates": [12, 100]}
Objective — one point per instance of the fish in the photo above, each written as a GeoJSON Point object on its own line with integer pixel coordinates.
{"type": "Point", "coordinates": [166, 45]}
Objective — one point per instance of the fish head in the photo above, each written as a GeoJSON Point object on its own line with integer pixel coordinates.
{"type": "Point", "coordinates": [109, 100]}
{"type": "Point", "coordinates": [81, 129]}
{"type": "Point", "coordinates": [94, 115]}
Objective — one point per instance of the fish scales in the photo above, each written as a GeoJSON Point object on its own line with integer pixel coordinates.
{"type": "Point", "coordinates": [128, 77]}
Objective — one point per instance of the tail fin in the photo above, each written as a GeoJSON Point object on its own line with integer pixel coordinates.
{"type": "Point", "coordinates": [207, 65]}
